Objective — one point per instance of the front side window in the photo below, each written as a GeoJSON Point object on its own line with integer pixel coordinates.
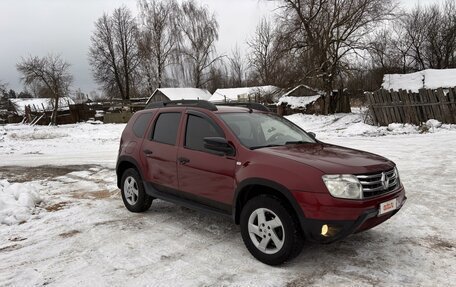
{"type": "Point", "coordinates": [166, 127]}
{"type": "Point", "coordinates": [197, 129]}
{"type": "Point", "coordinates": [256, 130]}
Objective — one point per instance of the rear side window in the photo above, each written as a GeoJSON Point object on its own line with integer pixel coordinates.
{"type": "Point", "coordinates": [197, 129]}
{"type": "Point", "coordinates": [166, 127]}
{"type": "Point", "coordinates": [141, 124]}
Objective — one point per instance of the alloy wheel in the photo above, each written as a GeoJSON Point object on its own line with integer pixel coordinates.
{"type": "Point", "coordinates": [266, 231]}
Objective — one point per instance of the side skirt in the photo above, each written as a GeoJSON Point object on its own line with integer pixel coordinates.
{"type": "Point", "coordinates": [180, 200]}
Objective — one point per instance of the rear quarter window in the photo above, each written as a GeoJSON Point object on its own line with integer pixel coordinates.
{"type": "Point", "coordinates": [141, 124]}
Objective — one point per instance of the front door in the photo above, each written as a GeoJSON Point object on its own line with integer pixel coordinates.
{"type": "Point", "coordinates": [204, 176]}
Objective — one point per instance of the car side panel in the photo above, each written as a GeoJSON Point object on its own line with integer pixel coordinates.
{"type": "Point", "coordinates": [288, 173]}
{"type": "Point", "coordinates": [207, 175]}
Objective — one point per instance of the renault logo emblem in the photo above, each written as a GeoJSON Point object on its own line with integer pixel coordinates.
{"type": "Point", "coordinates": [385, 181]}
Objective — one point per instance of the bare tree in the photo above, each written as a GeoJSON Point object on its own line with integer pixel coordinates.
{"type": "Point", "coordinates": [113, 53]}
{"type": "Point", "coordinates": [3, 87]}
{"type": "Point", "coordinates": [415, 25]}
{"type": "Point", "coordinates": [159, 37]}
{"type": "Point", "coordinates": [50, 71]}
{"type": "Point", "coordinates": [199, 33]}
{"type": "Point", "coordinates": [262, 54]}
{"type": "Point", "coordinates": [237, 67]}
{"type": "Point", "coordinates": [440, 50]}
{"type": "Point", "coordinates": [328, 32]}
{"type": "Point", "coordinates": [390, 48]}
{"type": "Point", "coordinates": [219, 76]}
{"type": "Point", "coordinates": [422, 38]}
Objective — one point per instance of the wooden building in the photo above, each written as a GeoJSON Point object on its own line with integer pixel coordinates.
{"type": "Point", "coordinates": [301, 99]}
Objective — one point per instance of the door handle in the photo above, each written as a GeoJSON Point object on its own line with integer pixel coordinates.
{"type": "Point", "coordinates": [148, 153]}
{"type": "Point", "coordinates": [183, 160]}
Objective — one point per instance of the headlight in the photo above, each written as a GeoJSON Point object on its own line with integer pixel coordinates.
{"type": "Point", "coordinates": [396, 172]}
{"type": "Point", "coordinates": [343, 186]}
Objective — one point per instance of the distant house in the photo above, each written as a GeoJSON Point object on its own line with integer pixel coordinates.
{"type": "Point", "coordinates": [302, 99]}
{"type": "Point", "coordinates": [246, 94]}
{"type": "Point", "coordinates": [175, 94]}
{"type": "Point", "coordinates": [426, 79]}
{"type": "Point", "coordinates": [39, 105]}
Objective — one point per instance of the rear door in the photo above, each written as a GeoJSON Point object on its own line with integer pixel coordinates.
{"type": "Point", "coordinates": [159, 151]}
{"type": "Point", "coordinates": [203, 175]}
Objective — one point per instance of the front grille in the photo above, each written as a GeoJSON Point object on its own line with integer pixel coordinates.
{"type": "Point", "coordinates": [375, 184]}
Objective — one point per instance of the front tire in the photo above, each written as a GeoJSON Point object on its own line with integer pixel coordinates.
{"type": "Point", "coordinates": [269, 231]}
{"type": "Point", "coordinates": [134, 196]}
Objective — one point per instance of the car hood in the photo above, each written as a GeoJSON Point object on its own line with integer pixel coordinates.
{"type": "Point", "coordinates": [331, 159]}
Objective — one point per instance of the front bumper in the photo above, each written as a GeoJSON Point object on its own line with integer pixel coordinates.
{"type": "Point", "coordinates": [339, 227]}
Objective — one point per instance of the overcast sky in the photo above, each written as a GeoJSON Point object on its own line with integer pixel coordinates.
{"type": "Point", "coordinates": [39, 27]}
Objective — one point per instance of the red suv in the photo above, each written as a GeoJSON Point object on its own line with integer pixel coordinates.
{"type": "Point", "coordinates": [274, 179]}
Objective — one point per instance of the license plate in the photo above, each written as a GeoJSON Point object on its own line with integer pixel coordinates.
{"type": "Point", "coordinates": [387, 206]}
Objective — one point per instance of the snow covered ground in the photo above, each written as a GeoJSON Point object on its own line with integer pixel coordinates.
{"type": "Point", "coordinates": [62, 221]}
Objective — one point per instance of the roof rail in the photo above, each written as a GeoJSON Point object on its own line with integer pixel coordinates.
{"type": "Point", "coordinates": [250, 106]}
{"type": "Point", "coordinates": [182, 103]}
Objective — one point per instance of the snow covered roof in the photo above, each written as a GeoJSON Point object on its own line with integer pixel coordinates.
{"type": "Point", "coordinates": [427, 79]}
{"type": "Point", "coordinates": [175, 94]}
{"type": "Point", "coordinates": [298, 102]}
{"type": "Point", "coordinates": [37, 104]}
{"type": "Point", "coordinates": [317, 92]}
{"type": "Point", "coordinates": [234, 94]}
{"type": "Point", "coordinates": [302, 98]}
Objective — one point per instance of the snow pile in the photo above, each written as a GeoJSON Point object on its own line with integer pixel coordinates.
{"type": "Point", "coordinates": [37, 134]}
{"type": "Point", "coordinates": [427, 79]}
{"type": "Point", "coordinates": [298, 102]}
{"type": "Point", "coordinates": [17, 201]}
{"type": "Point", "coordinates": [357, 129]}
{"type": "Point", "coordinates": [433, 123]}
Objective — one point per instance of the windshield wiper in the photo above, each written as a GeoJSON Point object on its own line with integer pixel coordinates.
{"type": "Point", "coordinates": [262, 146]}
{"type": "Point", "coordinates": [296, 142]}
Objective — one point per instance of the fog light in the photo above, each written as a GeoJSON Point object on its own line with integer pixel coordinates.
{"type": "Point", "coordinates": [324, 230]}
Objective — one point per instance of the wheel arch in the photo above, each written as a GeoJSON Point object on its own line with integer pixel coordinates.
{"type": "Point", "coordinates": [252, 187]}
{"type": "Point", "coordinates": [124, 163]}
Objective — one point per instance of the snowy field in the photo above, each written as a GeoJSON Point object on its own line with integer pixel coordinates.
{"type": "Point", "coordinates": [62, 220]}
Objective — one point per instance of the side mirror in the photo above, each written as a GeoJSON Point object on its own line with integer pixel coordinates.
{"type": "Point", "coordinates": [219, 145]}
{"type": "Point", "coordinates": [313, 135]}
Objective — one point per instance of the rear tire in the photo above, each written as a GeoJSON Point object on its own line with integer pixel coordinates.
{"type": "Point", "coordinates": [134, 196]}
{"type": "Point", "coordinates": [269, 231]}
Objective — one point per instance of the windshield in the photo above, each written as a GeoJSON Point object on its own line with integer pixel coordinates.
{"type": "Point", "coordinates": [256, 130]}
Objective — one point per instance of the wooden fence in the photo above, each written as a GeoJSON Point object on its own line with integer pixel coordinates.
{"type": "Point", "coordinates": [387, 107]}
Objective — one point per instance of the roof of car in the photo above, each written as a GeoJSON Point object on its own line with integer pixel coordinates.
{"type": "Point", "coordinates": [231, 109]}
{"type": "Point", "coordinates": [205, 105]}
{"type": "Point", "coordinates": [220, 109]}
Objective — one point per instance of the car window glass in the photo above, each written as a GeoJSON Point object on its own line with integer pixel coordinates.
{"type": "Point", "coordinates": [166, 127]}
{"type": "Point", "coordinates": [197, 129]}
{"type": "Point", "coordinates": [244, 129]}
{"type": "Point", "coordinates": [271, 128]}
{"type": "Point", "coordinates": [256, 129]}
{"type": "Point", "coordinates": [141, 124]}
